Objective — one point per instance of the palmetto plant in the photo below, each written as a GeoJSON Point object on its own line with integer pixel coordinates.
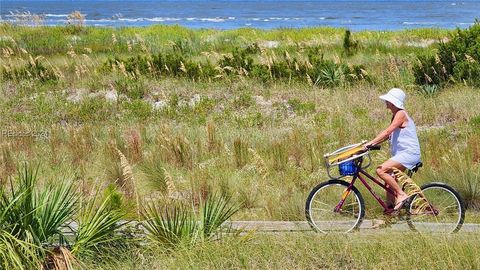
{"type": "Point", "coordinates": [16, 253]}
{"type": "Point", "coordinates": [36, 214]}
{"type": "Point", "coordinates": [171, 226]}
{"type": "Point", "coordinates": [330, 75]}
{"type": "Point", "coordinates": [35, 223]}
{"type": "Point", "coordinates": [215, 211]}
{"type": "Point", "coordinates": [96, 226]}
{"type": "Point", "coordinates": [180, 224]}
{"type": "Point", "coordinates": [33, 218]}
{"type": "Point", "coordinates": [430, 89]}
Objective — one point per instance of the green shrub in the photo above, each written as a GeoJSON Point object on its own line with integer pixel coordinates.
{"type": "Point", "coordinates": [199, 71]}
{"type": "Point", "coordinates": [457, 60]}
{"type": "Point", "coordinates": [330, 74]}
{"type": "Point", "coordinates": [468, 72]}
{"type": "Point", "coordinates": [349, 45]}
{"type": "Point", "coordinates": [113, 196]}
{"type": "Point", "coordinates": [35, 69]}
{"type": "Point", "coordinates": [253, 48]}
{"type": "Point", "coordinates": [239, 60]}
{"type": "Point", "coordinates": [314, 54]}
{"type": "Point", "coordinates": [429, 70]}
{"type": "Point", "coordinates": [260, 72]}
{"type": "Point", "coordinates": [131, 87]}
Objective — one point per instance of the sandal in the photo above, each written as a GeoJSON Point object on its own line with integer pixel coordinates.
{"type": "Point", "coordinates": [400, 204]}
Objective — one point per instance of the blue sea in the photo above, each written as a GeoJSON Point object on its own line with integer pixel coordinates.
{"type": "Point", "coordinates": [266, 14]}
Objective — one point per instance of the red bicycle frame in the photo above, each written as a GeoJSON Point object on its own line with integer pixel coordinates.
{"type": "Point", "coordinates": [358, 175]}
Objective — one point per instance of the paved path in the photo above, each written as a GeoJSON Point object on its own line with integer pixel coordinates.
{"type": "Point", "coordinates": [368, 225]}
{"type": "Point", "coordinates": [299, 226]}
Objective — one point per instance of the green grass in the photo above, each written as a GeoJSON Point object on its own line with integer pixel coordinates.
{"type": "Point", "coordinates": [54, 40]}
{"type": "Point", "coordinates": [378, 250]}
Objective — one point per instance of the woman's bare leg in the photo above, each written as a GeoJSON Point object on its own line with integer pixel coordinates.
{"type": "Point", "coordinates": [384, 172]}
{"type": "Point", "coordinates": [390, 199]}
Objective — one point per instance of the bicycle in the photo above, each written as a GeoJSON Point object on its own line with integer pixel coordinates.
{"type": "Point", "coordinates": [338, 206]}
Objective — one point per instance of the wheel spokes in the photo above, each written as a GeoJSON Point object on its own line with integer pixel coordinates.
{"type": "Point", "coordinates": [441, 213]}
{"type": "Point", "coordinates": [322, 209]}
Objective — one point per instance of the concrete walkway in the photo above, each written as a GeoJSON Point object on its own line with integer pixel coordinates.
{"type": "Point", "coordinates": [299, 226]}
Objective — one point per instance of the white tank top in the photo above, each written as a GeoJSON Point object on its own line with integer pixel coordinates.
{"type": "Point", "coordinates": [405, 139]}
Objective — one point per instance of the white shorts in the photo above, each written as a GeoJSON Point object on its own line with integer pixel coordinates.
{"type": "Point", "coordinates": [408, 160]}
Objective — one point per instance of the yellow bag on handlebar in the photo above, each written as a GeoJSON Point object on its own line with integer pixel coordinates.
{"type": "Point", "coordinates": [344, 154]}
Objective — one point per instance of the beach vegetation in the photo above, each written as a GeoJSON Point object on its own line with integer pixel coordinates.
{"type": "Point", "coordinates": [179, 225]}
{"type": "Point", "coordinates": [349, 44]}
{"type": "Point", "coordinates": [430, 89]}
{"type": "Point", "coordinates": [457, 60]}
{"type": "Point", "coordinates": [153, 122]}
{"type": "Point", "coordinates": [39, 222]}
{"type": "Point", "coordinates": [34, 69]}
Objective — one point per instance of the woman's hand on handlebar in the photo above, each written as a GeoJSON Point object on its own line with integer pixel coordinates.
{"type": "Point", "coordinates": [374, 147]}
{"type": "Point", "coordinates": [370, 146]}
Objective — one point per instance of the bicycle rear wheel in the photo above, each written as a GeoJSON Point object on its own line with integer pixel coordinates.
{"type": "Point", "coordinates": [442, 210]}
{"type": "Point", "coordinates": [321, 204]}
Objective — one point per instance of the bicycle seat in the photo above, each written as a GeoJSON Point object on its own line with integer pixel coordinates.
{"type": "Point", "coordinates": [417, 166]}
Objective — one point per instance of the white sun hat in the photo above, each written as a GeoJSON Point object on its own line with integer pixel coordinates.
{"type": "Point", "coordinates": [396, 96]}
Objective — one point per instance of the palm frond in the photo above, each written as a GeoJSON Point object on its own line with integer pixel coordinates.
{"type": "Point", "coordinates": [56, 206]}
{"type": "Point", "coordinates": [170, 227]}
{"type": "Point", "coordinates": [179, 224]}
{"type": "Point", "coordinates": [96, 226]}
{"type": "Point", "coordinates": [216, 210]}
{"type": "Point", "coordinates": [18, 254]}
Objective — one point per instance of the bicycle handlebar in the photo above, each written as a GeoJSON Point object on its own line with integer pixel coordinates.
{"type": "Point", "coordinates": [374, 147]}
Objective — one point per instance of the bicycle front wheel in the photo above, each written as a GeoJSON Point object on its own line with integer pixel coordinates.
{"type": "Point", "coordinates": [323, 210]}
{"type": "Point", "coordinates": [439, 210]}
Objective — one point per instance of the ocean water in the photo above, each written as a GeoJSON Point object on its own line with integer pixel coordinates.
{"type": "Point", "coordinates": [266, 14]}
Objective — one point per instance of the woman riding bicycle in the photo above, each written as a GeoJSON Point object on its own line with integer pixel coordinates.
{"type": "Point", "coordinates": [404, 145]}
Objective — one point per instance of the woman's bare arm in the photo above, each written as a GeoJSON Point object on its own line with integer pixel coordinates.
{"type": "Point", "coordinates": [398, 120]}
